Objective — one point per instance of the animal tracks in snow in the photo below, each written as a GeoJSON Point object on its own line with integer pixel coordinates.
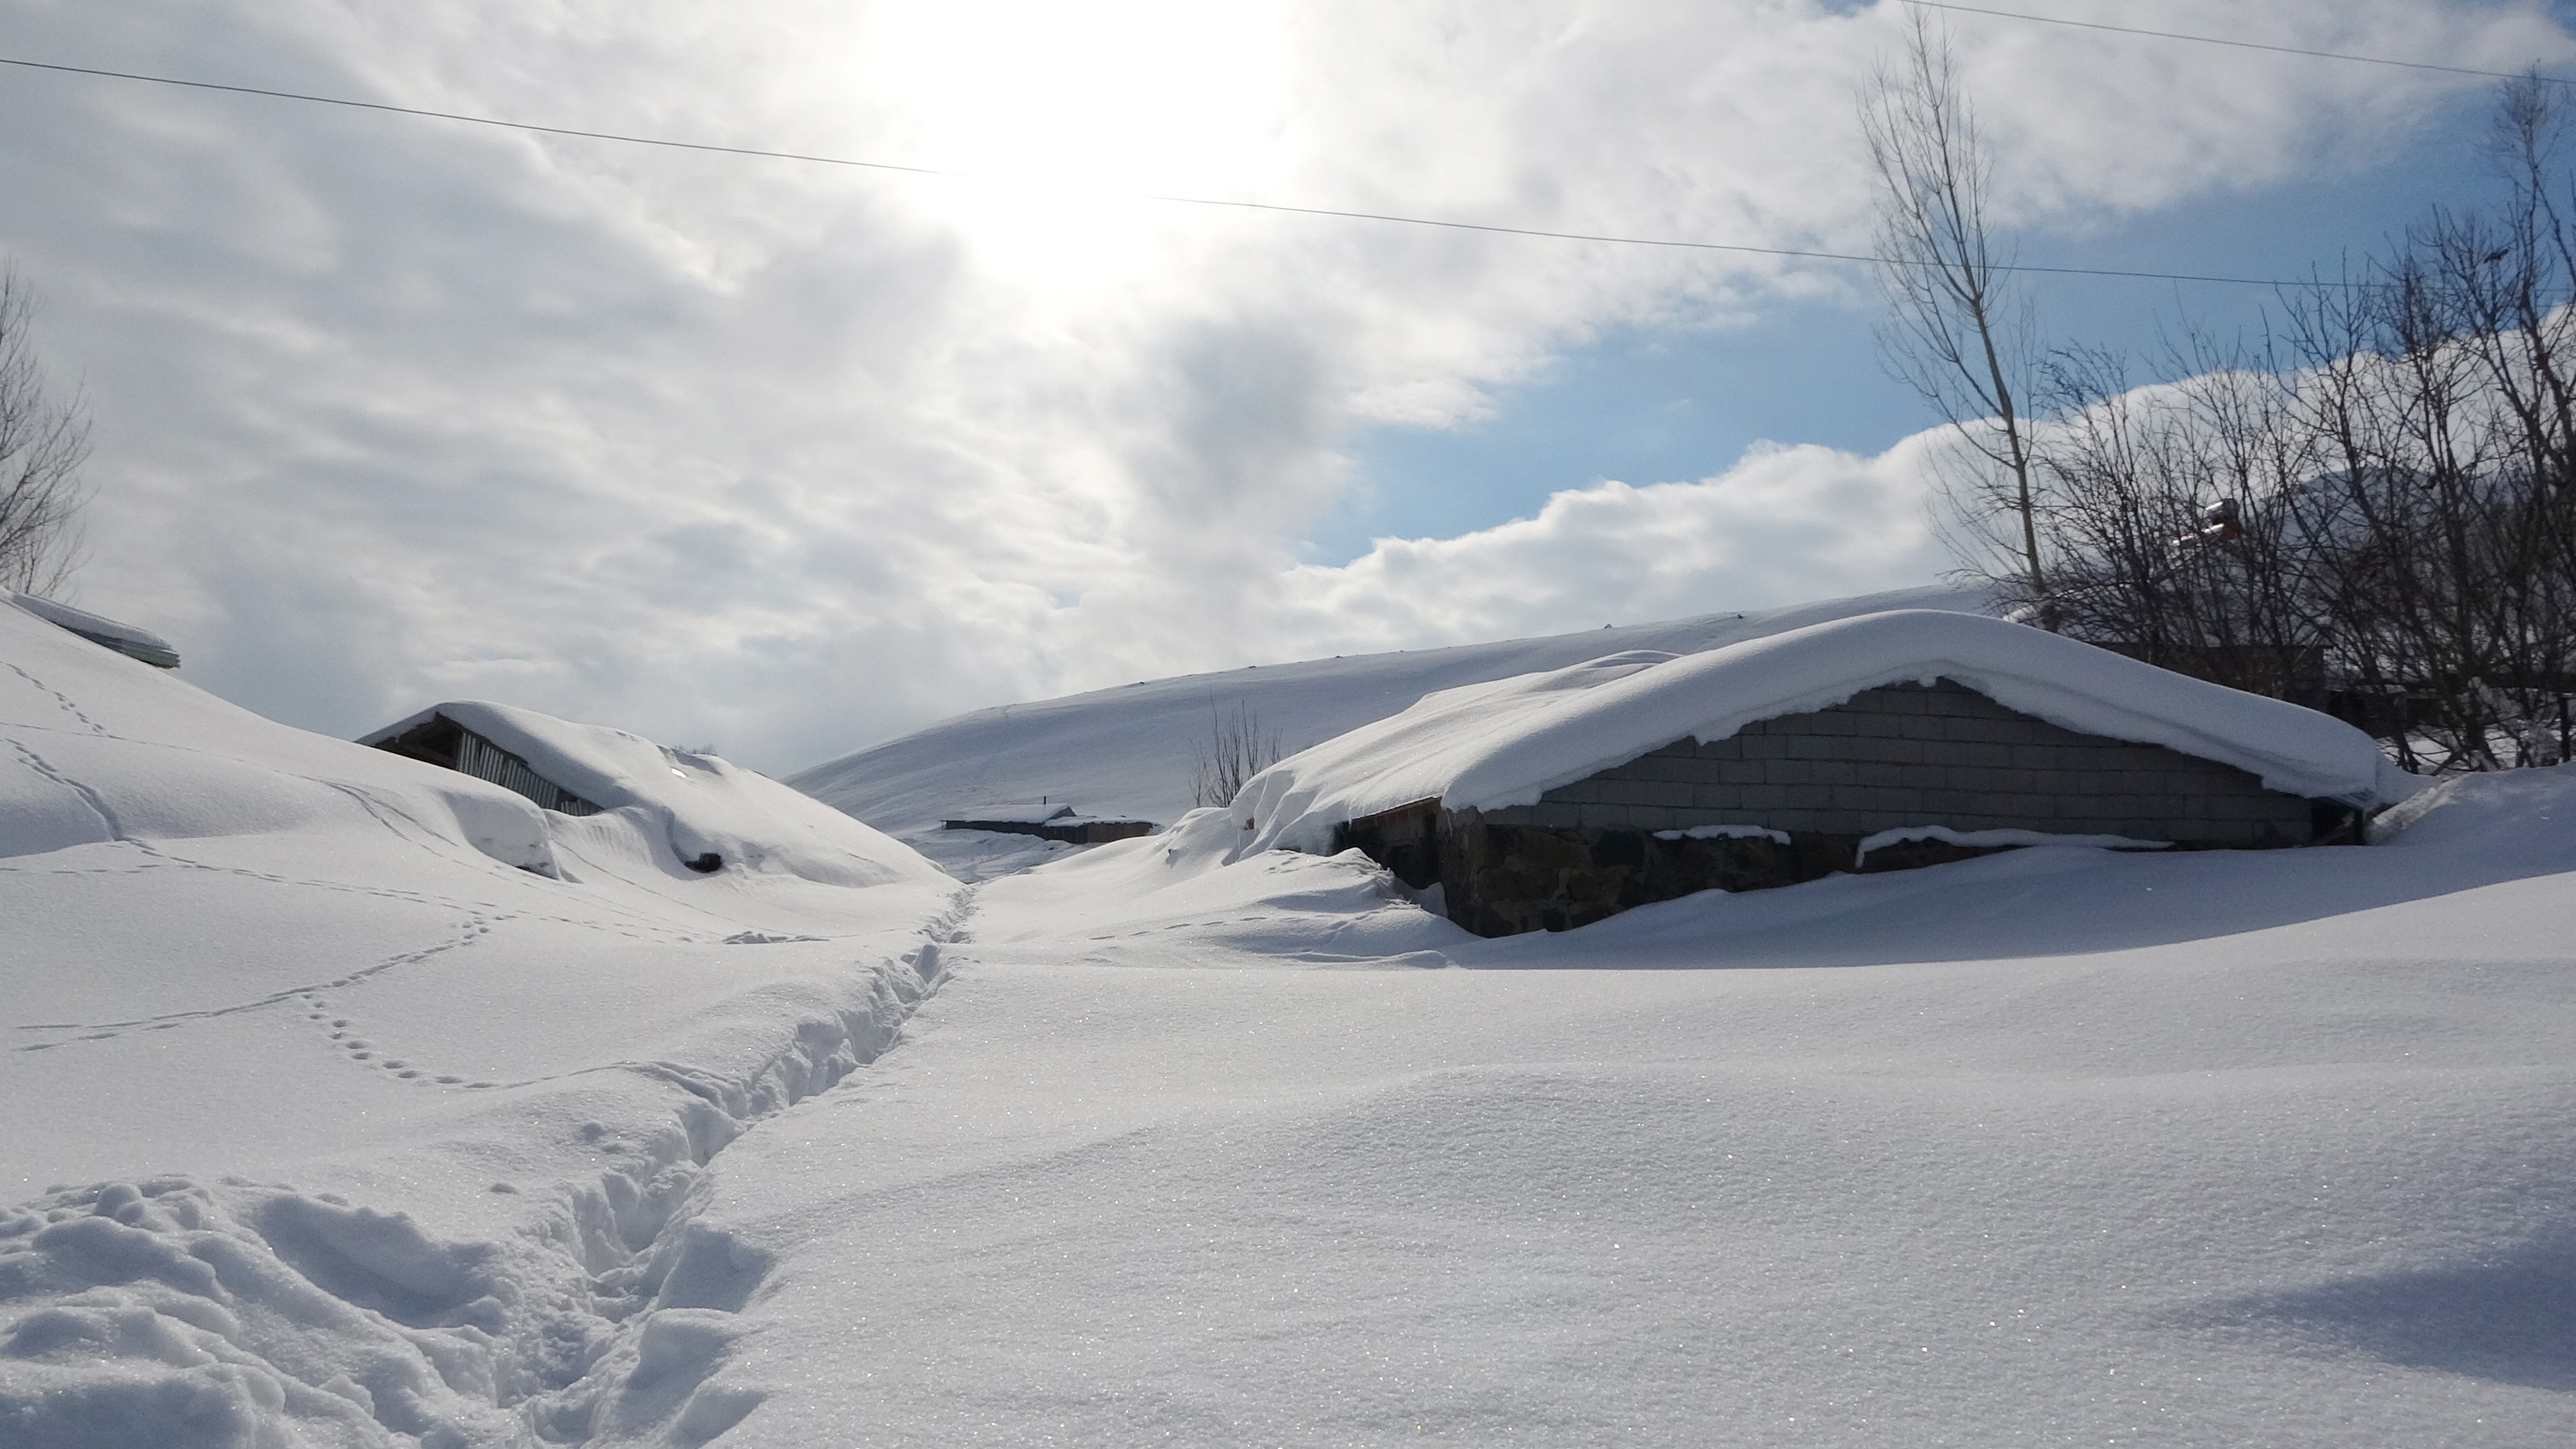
{"type": "Point", "coordinates": [145, 1311]}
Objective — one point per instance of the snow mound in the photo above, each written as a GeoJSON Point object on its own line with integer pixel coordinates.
{"type": "Point", "coordinates": [2526, 815]}
{"type": "Point", "coordinates": [102, 748]}
{"type": "Point", "coordinates": [1487, 746]}
{"type": "Point", "coordinates": [677, 806]}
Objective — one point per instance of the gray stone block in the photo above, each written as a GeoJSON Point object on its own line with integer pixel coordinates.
{"type": "Point", "coordinates": [1789, 772]}
{"type": "Point", "coordinates": [1556, 816]}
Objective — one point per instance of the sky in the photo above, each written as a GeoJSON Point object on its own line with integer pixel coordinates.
{"type": "Point", "coordinates": [788, 458]}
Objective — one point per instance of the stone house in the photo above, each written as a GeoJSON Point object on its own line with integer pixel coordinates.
{"type": "Point", "coordinates": [1870, 744]}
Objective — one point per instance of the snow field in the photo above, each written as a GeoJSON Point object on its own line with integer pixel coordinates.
{"type": "Point", "coordinates": [2201, 1149]}
{"type": "Point", "coordinates": [333, 1125]}
{"type": "Point", "coordinates": [393, 1095]}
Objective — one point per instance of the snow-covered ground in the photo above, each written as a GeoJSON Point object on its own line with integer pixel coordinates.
{"type": "Point", "coordinates": [328, 1118]}
{"type": "Point", "coordinates": [2058, 1146]}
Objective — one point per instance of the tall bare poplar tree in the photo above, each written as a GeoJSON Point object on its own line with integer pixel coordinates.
{"type": "Point", "coordinates": [1956, 329]}
{"type": "Point", "coordinates": [43, 442]}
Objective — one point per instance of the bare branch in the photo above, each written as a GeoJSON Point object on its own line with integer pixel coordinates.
{"type": "Point", "coordinates": [43, 443]}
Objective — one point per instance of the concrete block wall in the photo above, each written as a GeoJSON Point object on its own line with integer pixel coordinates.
{"type": "Point", "coordinates": [1941, 754]}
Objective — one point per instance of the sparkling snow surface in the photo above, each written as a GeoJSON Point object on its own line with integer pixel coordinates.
{"type": "Point", "coordinates": [2060, 1146]}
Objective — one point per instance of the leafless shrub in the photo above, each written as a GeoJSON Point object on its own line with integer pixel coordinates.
{"type": "Point", "coordinates": [1236, 749]}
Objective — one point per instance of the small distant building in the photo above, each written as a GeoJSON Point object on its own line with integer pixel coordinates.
{"type": "Point", "coordinates": [433, 738]}
{"type": "Point", "coordinates": [1876, 743]}
{"type": "Point", "coordinates": [1049, 821]}
{"type": "Point", "coordinates": [107, 633]}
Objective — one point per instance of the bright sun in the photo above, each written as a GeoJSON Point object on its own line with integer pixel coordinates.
{"type": "Point", "coordinates": [1069, 113]}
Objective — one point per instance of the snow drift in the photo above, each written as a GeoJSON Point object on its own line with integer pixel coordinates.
{"type": "Point", "coordinates": [680, 805]}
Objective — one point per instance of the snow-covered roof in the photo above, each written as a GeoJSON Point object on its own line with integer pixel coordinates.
{"type": "Point", "coordinates": [700, 804]}
{"type": "Point", "coordinates": [125, 639]}
{"type": "Point", "coordinates": [1487, 746]}
{"type": "Point", "coordinates": [1016, 812]}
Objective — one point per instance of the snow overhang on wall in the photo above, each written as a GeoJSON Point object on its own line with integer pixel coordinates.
{"type": "Point", "coordinates": [1506, 743]}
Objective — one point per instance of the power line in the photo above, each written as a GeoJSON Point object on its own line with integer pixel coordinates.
{"type": "Point", "coordinates": [2234, 44]}
{"type": "Point", "coordinates": [811, 158]}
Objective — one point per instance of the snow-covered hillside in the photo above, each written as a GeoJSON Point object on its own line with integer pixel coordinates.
{"type": "Point", "coordinates": [262, 989]}
{"type": "Point", "coordinates": [332, 1123]}
{"type": "Point", "coordinates": [1129, 751]}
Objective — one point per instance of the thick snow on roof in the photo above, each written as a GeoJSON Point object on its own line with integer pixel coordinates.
{"type": "Point", "coordinates": [1126, 753]}
{"type": "Point", "coordinates": [692, 804]}
{"type": "Point", "coordinates": [1487, 746]}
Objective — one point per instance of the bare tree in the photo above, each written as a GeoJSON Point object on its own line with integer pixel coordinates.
{"type": "Point", "coordinates": [1237, 748]}
{"type": "Point", "coordinates": [1957, 329]}
{"type": "Point", "coordinates": [43, 442]}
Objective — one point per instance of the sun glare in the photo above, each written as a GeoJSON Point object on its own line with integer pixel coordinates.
{"type": "Point", "coordinates": [1067, 115]}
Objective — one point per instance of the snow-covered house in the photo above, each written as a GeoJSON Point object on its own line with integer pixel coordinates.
{"type": "Point", "coordinates": [1049, 821]}
{"type": "Point", "coordinates": [1906, 738]}
{"type": "Point", "coordinates": [437, 736]}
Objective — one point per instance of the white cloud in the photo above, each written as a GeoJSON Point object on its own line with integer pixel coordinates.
{"type": "Point", "coordinates": [1783, 525]}
{"type": "Point", "coordinates": [790, 457]}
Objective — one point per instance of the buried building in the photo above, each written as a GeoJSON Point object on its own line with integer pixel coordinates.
{"type": "Point", "coordinates": [1909, 738]}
